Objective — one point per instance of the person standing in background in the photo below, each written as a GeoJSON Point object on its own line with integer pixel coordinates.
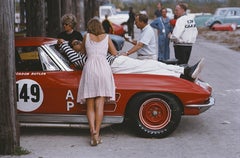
{"type": "Point", "coordinates": [107, 26]}
{"type": "Point", "coordinates": [69, 22]}
{"type": "Point", "coordinates": [184, 34]}
{"type": "Point", "coordinates": [162, 24]}
{"type": "Point", "coordinates": [130, 22]}
{"type": "Point", "coordinates": [158, 11]}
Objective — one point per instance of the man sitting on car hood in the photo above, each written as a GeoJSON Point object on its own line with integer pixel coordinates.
{"type": "Point", "coordinates": [124, 65]}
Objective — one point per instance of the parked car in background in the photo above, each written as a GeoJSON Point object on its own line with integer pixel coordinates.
{"type": "Point", "coordinates": [170, 14]}
{"type": "Point", "coordinates": [117, 18]}
{"type": "Point", "coordinates": [118, 29]}
{"type": "Point", "coordinates": [117, 40]}
{"type": "Point", "coordinates": [113, 15]}
{"type": "Point", "coordinates": [47, 84]}
{"type": "Point", "coordinates": [224, 16]}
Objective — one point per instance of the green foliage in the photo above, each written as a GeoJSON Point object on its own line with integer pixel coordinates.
{"type": "Point", "coordinates": [21, 151]}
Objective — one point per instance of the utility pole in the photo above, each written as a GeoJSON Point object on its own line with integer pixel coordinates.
{"type": "Point", "coordinates": [9, 128]}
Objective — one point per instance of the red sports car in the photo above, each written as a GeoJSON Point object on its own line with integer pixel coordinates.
{"type": "Point", "coordinates": [47, 85]}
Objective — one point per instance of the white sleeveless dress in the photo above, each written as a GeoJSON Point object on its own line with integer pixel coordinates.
{"type": "Point", "coordinates": [97, 78]}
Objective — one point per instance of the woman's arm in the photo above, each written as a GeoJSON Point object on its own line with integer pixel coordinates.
{"type": "Point", "coordinates": [111, 47]}
{"type": "Point", "coordinates": [83, 50]}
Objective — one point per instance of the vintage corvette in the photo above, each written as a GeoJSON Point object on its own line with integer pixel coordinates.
{"type": "Point", "coordinates": [46, 86]}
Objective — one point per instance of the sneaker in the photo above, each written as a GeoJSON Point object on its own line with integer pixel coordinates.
{"type": "Point", "coordinates": [196, 69]}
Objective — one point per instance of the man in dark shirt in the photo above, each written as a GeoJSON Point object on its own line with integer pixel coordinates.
{"type": "Point", "coordinates": [158, 12]}
{"type": "Point", "coordinates": [107, 25]}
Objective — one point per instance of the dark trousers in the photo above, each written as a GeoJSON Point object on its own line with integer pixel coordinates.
{"type": "Point", "coordinates": [182, 53]}
{"type": "Point", "coordinates": [131, 30]}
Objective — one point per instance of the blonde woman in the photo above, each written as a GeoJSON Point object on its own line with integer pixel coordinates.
{"type": "Point", "coordinates": [69, 22]}
{"type": "Point", "coordinates": [97, 82]}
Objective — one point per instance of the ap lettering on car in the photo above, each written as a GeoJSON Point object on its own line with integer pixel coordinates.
{"type": "Point", "coordinates": [69, 99]}
{"type": "Point", "coordinates": [29, 95]}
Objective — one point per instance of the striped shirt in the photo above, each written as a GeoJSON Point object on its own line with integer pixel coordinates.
{"type": "Point", "coordinates": [79, 59]}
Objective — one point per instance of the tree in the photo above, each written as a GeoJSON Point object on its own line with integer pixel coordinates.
{"type": "Point", "coordinates": [54, 18]}
{"type": "Point", "coordinates": [36, 18]}
{"type": "Point", "coordinates": [79, 12]}
{"type": "Point", "coordinates": [9, 129]}
{"type": "Point", "coordinates": [233, 3]}
{"type": "Point", "coordinates": [90, 9]}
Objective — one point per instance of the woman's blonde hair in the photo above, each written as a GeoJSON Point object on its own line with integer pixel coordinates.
{"type": "Point", "coordinates": [69, 19]}
{"type": "Point", "coordinates": [94, 26]}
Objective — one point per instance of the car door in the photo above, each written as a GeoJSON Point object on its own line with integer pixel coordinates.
{"type": "Point", "coordinates": [43, 88]}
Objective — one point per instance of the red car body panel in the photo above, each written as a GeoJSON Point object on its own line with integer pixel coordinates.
{"type": "Point", "coordinates": [118, 29]}
{"type": "Point", "coordinates": [56, 86]}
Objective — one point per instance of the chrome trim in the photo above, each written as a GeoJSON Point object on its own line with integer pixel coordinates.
{"type": "Point", "coordinates": [203, 107]}
{"type": "Point", "coordinates": [55, 58]}
{"type": "Point", "coordinates": [65, 119]}
{"type": "Point", "coordinates": [64, 125]}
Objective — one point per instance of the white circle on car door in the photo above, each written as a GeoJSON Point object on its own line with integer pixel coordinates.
{"type": "Point", "coordinates": [29, 95]}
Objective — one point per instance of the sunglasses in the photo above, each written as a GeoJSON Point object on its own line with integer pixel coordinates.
{"type": "Point", "coordinates": [66, 24]}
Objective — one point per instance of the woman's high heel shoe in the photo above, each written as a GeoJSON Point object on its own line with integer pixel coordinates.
{"type": "Point", "coordinates": [94, 141]}
{"type": "Point", "coordinates": [99, 141]}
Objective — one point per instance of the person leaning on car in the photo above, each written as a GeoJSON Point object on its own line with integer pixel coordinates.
{"type": "Point", "coordinates": [69, 22]}
{"type": "Point", "coordinates": [146, 45]}
{"type": "Point", "coordinates": [184, 34]}
{"type": "Point", "coordinates": [125, 65]}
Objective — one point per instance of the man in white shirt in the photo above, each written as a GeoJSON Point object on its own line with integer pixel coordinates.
{"type": "Point", "coordinates": [146, 45]}
{"type": "Point", "coordinates": [184, 34]}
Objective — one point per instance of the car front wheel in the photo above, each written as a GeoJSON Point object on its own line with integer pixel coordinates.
{"type": "Point", "coordinates": [154, 114]}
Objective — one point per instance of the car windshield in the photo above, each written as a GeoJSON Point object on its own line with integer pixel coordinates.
{"type": "Point", "coordinates": [220, 12]}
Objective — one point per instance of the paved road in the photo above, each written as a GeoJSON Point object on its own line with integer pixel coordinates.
{"type": "Point", "coordinates": [213, 134]}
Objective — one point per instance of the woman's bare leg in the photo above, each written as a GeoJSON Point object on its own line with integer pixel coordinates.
{"type": "Point", "coordinates": [99, 107]}
{"type": "Point", "coordinates": [91, 114]}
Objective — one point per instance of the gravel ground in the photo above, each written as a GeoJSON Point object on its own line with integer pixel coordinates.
{"type": "Point", "coordinates": [228, 38]}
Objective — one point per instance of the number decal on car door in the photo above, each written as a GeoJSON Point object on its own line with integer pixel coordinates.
{"type": "Point", "coordinates": [29, 95]}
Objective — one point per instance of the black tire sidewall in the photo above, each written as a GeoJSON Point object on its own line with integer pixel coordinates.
{"type": "Point", "coordinates": [160, 133]}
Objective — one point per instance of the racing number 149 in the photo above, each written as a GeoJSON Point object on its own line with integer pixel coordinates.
{"type": "Point", "coordinates": [24, 93]}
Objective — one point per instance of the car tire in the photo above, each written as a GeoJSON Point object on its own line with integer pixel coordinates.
{"type": "Point", "coordinates": [154, 114]}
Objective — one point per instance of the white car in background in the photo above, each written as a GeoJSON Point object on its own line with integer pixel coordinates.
{"type": "Point", "coordinates": [170, 14]}
{"type": "Point", "coordinates": [113, 15]}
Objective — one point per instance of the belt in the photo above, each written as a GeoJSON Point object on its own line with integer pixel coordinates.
{"type": "Point", "coordinates": [145, 55]}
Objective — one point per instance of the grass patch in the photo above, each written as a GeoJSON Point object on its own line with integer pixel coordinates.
{"type": "Point", "coordinates": [21, 151]}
